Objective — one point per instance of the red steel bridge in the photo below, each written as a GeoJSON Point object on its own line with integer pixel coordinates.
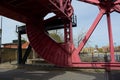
{"type": "Point", "coordinates": [32, 13]}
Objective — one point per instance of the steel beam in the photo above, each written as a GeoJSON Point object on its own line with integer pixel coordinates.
{"type": "Point", "coordinates": [111, 44]}
{"type": "Point", "coordinates": [27, 52]}
{"type": "Point", "coordinates": [90, 31]}
{"type": "Point", "coordinates": [19, 49]}
{"type": "Point", "coordinates": [12, 14]}
{"type": "Point", "coordinates": [94, 2]}
{"type": "Point", "coordinates": [98, 65]}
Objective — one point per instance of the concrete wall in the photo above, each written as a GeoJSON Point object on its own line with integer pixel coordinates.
{"type": "Point", "coordinates": [8, 54]}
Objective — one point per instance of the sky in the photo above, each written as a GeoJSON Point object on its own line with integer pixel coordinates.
{"type": "Point", "coordinates": [9, 30]}
{"type": "Point", "coordinates": [86, 13]}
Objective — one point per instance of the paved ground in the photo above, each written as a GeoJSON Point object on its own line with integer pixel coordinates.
{"type": "Point", "coordinates": [13, 73]}
{"type": "Point", "coordinates": [20, 74]}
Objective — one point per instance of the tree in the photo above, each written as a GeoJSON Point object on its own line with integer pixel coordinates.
{"type": "Point", "coordinates": [100, 50]}
{"type": "Point", "coordinates": [56, 36]}
{"type": "Point", "coordinates": [79, 38]}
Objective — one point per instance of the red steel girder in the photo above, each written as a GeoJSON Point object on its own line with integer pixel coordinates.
{"type": "Point", "coordinates": [60, 9]}
{"type": "Point", "coordinates": [14, 15]}
{"type": "Point", "coordinates": [105, 7]}
{"type": "Point", "coordinates": [94, 2]}
{"type": "Point", "coordinates": [58, 54]}
{"type": "Point", "coordinates": [117, 2]}
{"type": "Point", "coordinates": [65, 54]}
{"type": "Point", "coordinates": [39, 40]}
{"type": "Point", "coordinates": [64, 7]}
{"type": "Point", "coordinates": [117, 8]}
{"type": "Point", "coordinates": [27, 9]}
{"type": "Point", "coordinates": [90, 31]}
{"type": "Point", "coordinates": [98, 65]}
{"type": "Point", "coordinates": [111, 43]}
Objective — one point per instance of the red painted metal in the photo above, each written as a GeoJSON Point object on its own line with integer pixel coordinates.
{"type": "Point", "coordinates": [94, 2]}
{"type": "Point", "coordinates": [64, 54]}
{"type": "Point", "coordinates": [98, 65]}
{"type": "Point", "coordinates": [75, 54]}
{"type": "Point", "coordinates": [58, 54]}
{"type": "Point", "coordinates": [90, 31]}
{"type": "Point", "coordinates": [105, 7]}
{"type": "Point", "coordinates": [110, 38]}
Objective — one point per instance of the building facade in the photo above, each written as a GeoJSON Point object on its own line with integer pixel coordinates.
{"type": "Point", "coordinates": [15, 45]}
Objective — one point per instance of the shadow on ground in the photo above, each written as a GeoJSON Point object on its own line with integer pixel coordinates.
{"type": "Point", "coordinates": [19, 74]}
{"type": "Point", "coordinates": [23, 74]}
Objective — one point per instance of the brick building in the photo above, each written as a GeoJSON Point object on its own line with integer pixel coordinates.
{"type": "Point", "coordinates": [15, 45]}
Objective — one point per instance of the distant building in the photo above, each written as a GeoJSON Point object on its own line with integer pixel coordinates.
{"type": "Point", "coordinates": [15, 45]}
{"type": "Point", "coordinates": [88, 50]}
{"type": "Point", "coordinates": [105, 48]}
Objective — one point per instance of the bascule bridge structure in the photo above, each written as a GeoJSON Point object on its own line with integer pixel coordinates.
{"type": "Point", "coordinates": [32, 13]}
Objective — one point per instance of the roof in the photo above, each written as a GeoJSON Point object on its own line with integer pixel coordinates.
{"type": "Point", "coordinates": [15, 45]}
{"type": "Point", "coordinates": [25, 45]}
{"type": "Point", "coordinates": [10, 44]}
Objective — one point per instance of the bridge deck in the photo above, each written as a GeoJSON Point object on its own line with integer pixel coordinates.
{"type": "Point", "coordinates": [22, 10]}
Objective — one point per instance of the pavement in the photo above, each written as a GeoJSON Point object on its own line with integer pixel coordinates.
{"type": "Point", "coordinates": [13, 72]}
{"type": "Point", "coordinates": [10, 71]}
{"type": "Point", "coordinates": [8, 65]}
{"type": "Point", "coordinates": [22, 74]}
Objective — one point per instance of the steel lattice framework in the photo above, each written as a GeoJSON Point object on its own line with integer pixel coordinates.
{"type": "Point", "coordinates": [105, 8]}
{"type": "Point", "coordinates": [32, 12]}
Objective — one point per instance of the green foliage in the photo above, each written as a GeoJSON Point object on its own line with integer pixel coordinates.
{"type": "Point", "coordinates": [23, 41]}
{"type": "Point", "coordinates": [100, 50]}
{"type": "Point", "coordinates": [56, 37]}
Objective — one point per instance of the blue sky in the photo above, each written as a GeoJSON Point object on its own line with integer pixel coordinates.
{"type": "Point", "coordinates": [86, 13]}
{"type": "Point", "coordinates": [9, 30]}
